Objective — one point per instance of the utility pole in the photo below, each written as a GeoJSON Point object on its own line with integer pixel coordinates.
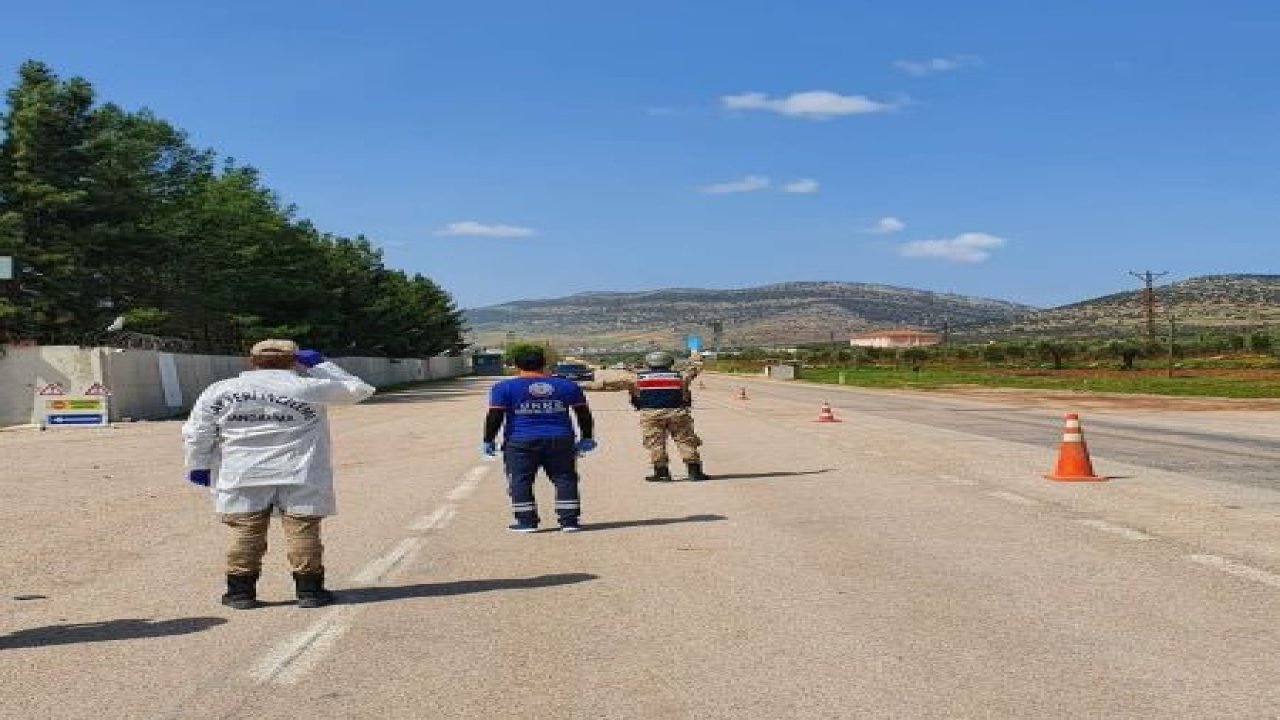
{"type": "Point", "coordinates": [1149, 299]}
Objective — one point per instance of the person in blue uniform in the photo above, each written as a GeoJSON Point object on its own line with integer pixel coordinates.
{"type": "Point", "coordinates": [533, 409]}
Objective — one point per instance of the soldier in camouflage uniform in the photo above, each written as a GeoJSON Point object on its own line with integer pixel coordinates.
{"type": "Point", "coordinates": [661, 395]}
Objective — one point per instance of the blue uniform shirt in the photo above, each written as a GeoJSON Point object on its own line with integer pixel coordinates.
{"type": "Point", "coordinates": [537, 407]}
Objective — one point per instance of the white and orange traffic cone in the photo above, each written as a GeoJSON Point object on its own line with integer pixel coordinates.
{"type": "Point", "coordinates": [825, 415]}
{"type": "Point", "coordinates": [1073, 455]}
{"type": "Point", "coordinates": [742, 394]}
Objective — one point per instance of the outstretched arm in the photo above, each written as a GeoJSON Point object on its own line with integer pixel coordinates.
{"type": "Point", "coordinates": [330, 384]}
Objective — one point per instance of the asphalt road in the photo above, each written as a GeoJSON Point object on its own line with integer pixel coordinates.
{"type": "Point", "coordinates": [907, 562]}
{"type": "Point", "coordinates": [1236, 450]}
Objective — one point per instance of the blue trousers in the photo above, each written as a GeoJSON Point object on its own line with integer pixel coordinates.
{"type": "Point", "coordinates": [555, 456]}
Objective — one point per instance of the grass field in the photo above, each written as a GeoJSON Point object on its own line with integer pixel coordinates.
{"type": "Point", "coordinates": [1224, 383]}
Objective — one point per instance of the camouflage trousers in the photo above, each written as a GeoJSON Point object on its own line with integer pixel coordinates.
{"type": "Point", "coordinates": [657, 425]}
{"type": "Point", "coordinates": [249, 541]}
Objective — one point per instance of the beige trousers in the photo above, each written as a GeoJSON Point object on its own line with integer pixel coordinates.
{"type": "Point", "coordinates": [657, 425]}
{"type": "Point", "coordinates": [249, 541]}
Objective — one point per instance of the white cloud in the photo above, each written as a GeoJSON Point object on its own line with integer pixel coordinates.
{"type": "Point", "coordinates": [887, 225]}
{"type": "Point", "coordinates": [801, 186]}
{"type": "Point", "coordinates": [971, 247]}
{"type": "Point", "coordinates": [920, 68]}
{"type": "Point", "coordinates": [814, 104]}
{"type": "Point", "coordinates": [471, 228]}
{"type": "Point", "coordinates": [749, 183]}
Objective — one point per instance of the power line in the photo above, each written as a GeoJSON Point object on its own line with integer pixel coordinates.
{"type": "Point", "coordinates": [1149, 299]}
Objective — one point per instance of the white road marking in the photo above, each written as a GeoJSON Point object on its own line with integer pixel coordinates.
{"type": "Point", "coordinates": [380, 568]}
{"type": "Point", "coordinates": [1232, 567]}
{"type": "Point", "coordinates": [437, 520]}
{"type": "Point", "coordinates": [1014, 498]}
{"type": "Point", "coordinates": [289, 661]}
{"type": "Point", "coordinates": [468, 484]}
{"type": "Point", "coordinates": [293, 658]}
{"type": "Point", "coordinates": [443, 515]}
{"type": "Point", "coordinates": [1120, 530]}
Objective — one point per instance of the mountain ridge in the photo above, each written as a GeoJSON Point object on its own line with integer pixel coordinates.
{"type": "Point", "coordinates": [825, 310]}
{"type": "Point", "coordinates": [791, 311]}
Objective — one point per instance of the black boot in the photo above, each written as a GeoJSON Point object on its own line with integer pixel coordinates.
{"type": "Point", "coordinates": [661, 473]}
{"type": "Point", "coordinates": [695, 471]}
{"type": "Point", "coordinates": [310, 588]}
{"type": "Point", "coordinates": [242, 592]}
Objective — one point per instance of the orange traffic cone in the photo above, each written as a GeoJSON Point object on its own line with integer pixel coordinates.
{"type": "Point", "coordinates": [825, 415]}
{"type": "Point", "coordinates": [1073, 455]}
{"type": "Point", "coordinates": [742, 393]}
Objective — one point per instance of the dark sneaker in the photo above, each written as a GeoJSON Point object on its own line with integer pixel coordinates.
{"type": "Point", "coordinates": [240, 602]}
{"type": "Point", "coordinates": [522, 528]}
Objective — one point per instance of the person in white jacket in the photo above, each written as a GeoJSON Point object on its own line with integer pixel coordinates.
{"type": "Point", "coordinates": [260, 442]}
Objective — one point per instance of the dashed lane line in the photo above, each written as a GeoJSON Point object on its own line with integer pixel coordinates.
{"type": "Point", "coordinates": [1011, 497]}
{"type": "Point", "coordinates": [436, 520]}
{"type": "Point", "coordinates": [1117, 530]}
{"type": "Point", "coordinates": [1231, 567]}
{"type": "Point", "coordinates": [468, 485]}
{"type": "Point", "coordinates": [293, 658]}
{"type": "Point", "coordinates": [379, 569]}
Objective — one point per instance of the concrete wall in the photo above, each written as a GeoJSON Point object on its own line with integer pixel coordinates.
{"type": "Point", "coordinates": [134, 376]}
{"type": "Point", "coordinates": [25, 369]}
{"type": "Point", "coordinates": [784, 371]}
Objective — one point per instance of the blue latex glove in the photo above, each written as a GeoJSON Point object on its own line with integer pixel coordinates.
{"type": "Point", "coordinates": [309, 358]}
{"type": "Point", "coordinates": [200, 477]}
{"type": "Point", "coordinates": [586, 445]}
{"type": "Point", "coordinates": [489, 448]}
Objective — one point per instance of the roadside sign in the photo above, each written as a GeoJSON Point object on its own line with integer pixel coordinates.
{"type": "Point", "coordinates": [51, 389]}
{"type": "Point", "coordinates": [98, 420]}
{"type": "Point", "coordinates": [693, 343]}
{"type": "Point", "coordinates": [72, 411]}
{"type": "Point", "coordinates": [97, 389]}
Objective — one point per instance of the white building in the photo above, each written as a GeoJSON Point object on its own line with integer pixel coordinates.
{"type": "Point", "coordinates": [895, 338]}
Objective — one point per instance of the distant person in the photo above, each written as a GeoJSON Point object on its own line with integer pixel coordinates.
{"type": "Point", "coordinates": [261, 442]}
{"type": "Point", "coordinates": [534, 408]}
{"type": "Point", "coordinates": [661, 394]}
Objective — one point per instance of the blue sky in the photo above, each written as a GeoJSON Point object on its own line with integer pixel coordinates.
{"type": "Point", "coordinates": [1034, 152]}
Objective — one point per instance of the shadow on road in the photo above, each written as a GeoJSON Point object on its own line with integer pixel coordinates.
{"type": "Point", "coordinates": [131, 629]}
{"type": "Point", "coordinates": [592, 527]}
{"type": "Point", "coordinates": [780, 473]}
{"type": "Point", "coordinates": [357, 596]}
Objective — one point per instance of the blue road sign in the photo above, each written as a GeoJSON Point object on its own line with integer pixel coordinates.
{"type": "Point", "coordinates": [693, 342]}
{"type": "Point", "coordinates": [76, 420]}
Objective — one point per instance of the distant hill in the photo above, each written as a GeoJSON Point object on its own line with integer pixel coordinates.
{"type": "Point", "coordinates": [784, 313]}
{"type": "Point", "coordinates": [1206, 302]}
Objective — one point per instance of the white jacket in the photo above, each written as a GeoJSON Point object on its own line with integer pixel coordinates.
{"type": "Point", "coordinates": [269, 427]}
